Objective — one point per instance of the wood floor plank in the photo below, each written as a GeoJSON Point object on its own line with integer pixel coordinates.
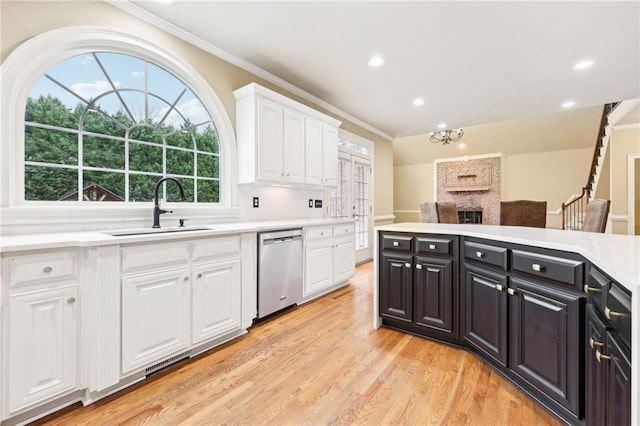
{"type": "Point", "coordinates": [320, 363]}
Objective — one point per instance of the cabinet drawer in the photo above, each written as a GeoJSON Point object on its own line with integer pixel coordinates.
{"type": "Point", "coordinates": [42, 267]}
{"type": "Point", "coordinates": [216, 248]}
{"type": "Point", "coordinates": [396, 242]}
{"type": "Point", "coordinates": [618, 312]}
{"type": "Point", "coordinates": [151, 257]}
{"type": "Point", "coordinates": [492, 255]}
{"type": "Point", "coordinates": [317, 233]}
{"type": "Point", "coordinates": [343, 230]}
{"type": "Point", "coordinates": [434, 245]}
{"type": "Point", "coordinates": [597, 287]}
{"type": "Point", "coordinates": [555, 268]}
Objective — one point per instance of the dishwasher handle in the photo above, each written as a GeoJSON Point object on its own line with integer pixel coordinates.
{"type": "Point", "coordinates": [280, 240]}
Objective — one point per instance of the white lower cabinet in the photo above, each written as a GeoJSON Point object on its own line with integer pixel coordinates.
{"type": "Point", "coordinates": [42, 349]}
{"type": "Point", "coordinates": [215, 299]}
{"type": "Point", "coordinates": [329, 257]}
{"type": "Point", "coordinates": [155, 317]}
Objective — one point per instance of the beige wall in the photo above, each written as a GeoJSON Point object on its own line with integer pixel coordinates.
{"type": "Point", "coordinates": [413, 185]}
{"type": "Point", "coordinates": [637, 195]}
{"type": "Point", "coordinates": [623, 142]}
{"type": "Point", "coordinates": [18, 23]}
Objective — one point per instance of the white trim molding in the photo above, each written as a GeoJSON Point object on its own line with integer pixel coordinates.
{"type": "Point", "coordinates": [383, 219]}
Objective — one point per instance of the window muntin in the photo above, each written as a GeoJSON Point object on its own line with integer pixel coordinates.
{"type": "Point", "coordinates": [106, 126]}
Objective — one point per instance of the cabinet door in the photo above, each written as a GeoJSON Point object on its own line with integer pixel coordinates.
{"type": "Point", "coordinates": [42, 349]}
{"type": "Point", "coordinates": [318, 266]}
{"type": "Point", "coordinates": [155, 317]}
{"type": "Point", "coordinates": [618, 389]}
{"type": "Point", "coordinates": [329, 155]}
{"type": "Point", "coordinates": [485, 308]}
{"type": "Point", "coordinates": [433, 296]}
{"type": "Point", "coordinates": [293, 149]}
{"type": "Point", "coordinates": [344, 259]}
{"type": "Point", "coordinates": [396, 286]}
{"type": "Point", "coordinates": [595, 371]}
{"type": "Point", "coordinates": [270, 141]}
{"type": "Point", "coordinates": [215, 299]}
{"type": "Point", "coordinates": [313, 151]}
{"type": "Point", "coordinates": [546, 344]}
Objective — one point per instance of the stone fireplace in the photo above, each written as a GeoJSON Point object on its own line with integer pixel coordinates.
{"type": "Point", "coordinates": [474, 185]}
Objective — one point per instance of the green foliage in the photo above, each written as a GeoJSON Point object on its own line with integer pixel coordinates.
{"type": "Point", "coordinates": [48, 183]}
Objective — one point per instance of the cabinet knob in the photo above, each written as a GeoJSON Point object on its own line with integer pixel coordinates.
{"type": "Point", "coordinates": [588, 289]}
{"type": "Point", "coordinates": [537, 267]}
{"type": "Point", "coordinates": [396, 244]}
{"type": "Point", "coordinates": [407, 265]}
{"type": "Point", "coordinates": [186, 278]}
{"type": "Point", "coordinates": [432, 246]}
{"type": "Point", "coordinates": [593, 343]}
{"type": "Point", "coordinates": [499, 287]}
{"type": "Point", "coordinates": [200, 275]}
{"type": "Point", "coordinates": [71, 300]}
{"type": "Point", "coordinates": [609, 313]}
{"type": "Point", "coordinates": [47, 269]}
{"type": "Point", "coordinates": [479, 254]}
{"type": "Point", "coordinates": [600, 356]}
{"type": "Point", "coordinates": [418, 266]}
{"type": "Point", "coordinates": [511, 292]}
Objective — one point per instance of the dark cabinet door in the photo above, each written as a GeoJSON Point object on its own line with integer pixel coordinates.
{"type": "Point", "coordinates": [546, 340]}
{"type": "Point", "coordinates": [485, 311]}
{"type": "Point", "coordinates": [433, 290]}
{"type": "Point", "coordinates": [618, 393]}
{"type": "Point", "coordinates": [396, 286]}
{"type": "Point", "coordinates": [595, 372]}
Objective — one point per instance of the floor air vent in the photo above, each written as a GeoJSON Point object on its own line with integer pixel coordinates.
{"type": "Point", "coordinates": [166, 362]}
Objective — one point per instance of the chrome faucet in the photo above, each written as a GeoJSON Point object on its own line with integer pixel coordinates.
{"type": "Point", "coordinates": [157, 211]}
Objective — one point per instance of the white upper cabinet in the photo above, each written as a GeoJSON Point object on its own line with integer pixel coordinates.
{"type": "Point", "coordinates": [282, 141]}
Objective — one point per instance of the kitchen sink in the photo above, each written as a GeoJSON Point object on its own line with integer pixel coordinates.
{"type": "Point", "coordinates": [149, 231]}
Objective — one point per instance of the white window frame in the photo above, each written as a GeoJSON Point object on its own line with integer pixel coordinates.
{"type": "Point", "coordinates": [19, 72]}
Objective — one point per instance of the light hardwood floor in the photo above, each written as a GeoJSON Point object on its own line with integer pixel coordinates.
{"type": "Point", "coordinates": [321, 363]}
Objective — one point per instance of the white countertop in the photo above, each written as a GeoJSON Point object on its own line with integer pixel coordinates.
{"type": "Point", "coordinates": [616, 255]}
{"type": "Point", "coordinates": [12, 243]}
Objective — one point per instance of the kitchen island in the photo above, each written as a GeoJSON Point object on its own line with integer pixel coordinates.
{"type": "Point", "coordinates": [530, 302]}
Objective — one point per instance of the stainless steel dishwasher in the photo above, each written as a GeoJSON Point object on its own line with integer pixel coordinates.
{"type": "Point", "coordinates": [279, 270]}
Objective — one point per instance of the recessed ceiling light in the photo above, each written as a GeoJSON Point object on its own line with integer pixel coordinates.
{"type": "Point", "coordinates": [583, 64]}
{"type": "Point", "coordinates": [418, 101]}
{"type": "Point", "coordinates": [442, 126]}
{"type": "Point", "coordinates": [568, 104]}
{"type": "Point", "coordinates": [376, 61]}
{"type": "Point", "coordinates": [461, 145]}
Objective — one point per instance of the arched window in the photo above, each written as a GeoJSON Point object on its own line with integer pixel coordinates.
{"type": "Point", "coordinates": [95, 114]}
{"type": "Point", "coordinates": [106, 126]}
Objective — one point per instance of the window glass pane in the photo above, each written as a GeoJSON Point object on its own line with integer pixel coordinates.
{"type": "Point", "coordinates": [47, 109]}
{"type": "Point", "coordinates": [97, 122]}
{"type": "Point", "coordinates": [207, 138]}
{"type": "Point", "coordinates": [50, 184]}
{"type": "Point", "coordinates": [123, 70]}
{"type": "Point", "coordinates": [179, 162]}
{"type": "Point", "coordinates": [103, 153]}
{"type": "Point", "coordinates": [208, 191]}
{"type": "Point", "coordinates": [181, 139]}
{"type": "Point", "coordinates": [50, 146]}
{"type": "Point", "coordinates": [192, 109]}
{"type": "Point", "coordinates": [111, 105]}
{"type": "Point", "coordinates": [146, 134]}
{"type": "Point", "coordinates": [208, 166]}
{"type": "Point", "coordinates": [145, 158]}
{"type": "Point", "coordinates": [157, 110]}
{"type": "Point", "coordinates": [163, 83]}
{"type": "Point", "coordinates": [102, 186]}
{"type": "Point", "coordinates": [82, 75]}
{"type": "Point", "coordinates": [173, 193]}
{"type": "Point", "coordinates": [141, 187]}
{"type": "Point", "coordinates": [136, 103]}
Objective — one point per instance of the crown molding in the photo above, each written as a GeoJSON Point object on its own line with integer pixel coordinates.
{"type": "Point", "coordinates": [138, 12]}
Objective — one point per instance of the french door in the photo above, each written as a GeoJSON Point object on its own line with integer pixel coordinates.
{"type": "Point", "coordinates": [352, 199]}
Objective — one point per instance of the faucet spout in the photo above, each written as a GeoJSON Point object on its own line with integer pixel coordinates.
{"type": "Point", "coordinates": [157, 211]}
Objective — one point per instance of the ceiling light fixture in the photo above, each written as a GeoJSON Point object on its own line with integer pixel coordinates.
{"type": "Point", "coordinates": [446, 136]}
{"type": "Point", "coordinates": [583, 64]}
{"type": "Point", "coordinates": [568, 104]}
{"type": "Point", "coordinates": [418, 101]}
{"type": "Point", "coordinates": [376, 61]}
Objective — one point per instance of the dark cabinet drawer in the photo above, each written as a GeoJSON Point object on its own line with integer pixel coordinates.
{"type": "Point", "coordinates": [555, 268]}
{"type": "Point", "coordinates": [427, 245]}
{"type": "Point", "coordinates": [492, 255]}
{"type": "Point", "coordinates": [597, 287]}
{"type": "Point", "coordinates": [396, 242]}
{"type": "Point", "coordinates": [618, 311]}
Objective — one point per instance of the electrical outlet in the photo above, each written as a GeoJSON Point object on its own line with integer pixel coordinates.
{"type": "Point", "coordinates": [310, 203]}
{"type": "Point", "coordinates": [256, 202]}
{"type": "Point", "coordinates": [318, 204]}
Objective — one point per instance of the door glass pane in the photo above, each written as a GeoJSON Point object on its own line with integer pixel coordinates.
{"type": "Point", "coordinates": [361, 173]}
{"type": "Point", "coordinates": [340, 206]}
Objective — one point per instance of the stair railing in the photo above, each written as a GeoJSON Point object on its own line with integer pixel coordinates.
{"type": "Point", "coordinates": [573, 210]}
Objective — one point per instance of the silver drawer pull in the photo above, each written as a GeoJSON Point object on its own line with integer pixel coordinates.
{"type": "Point", "coordinates": [47, 269]}
{"type": "Point", "coordinates": [588, 289]}
{"type": "Point", "coordinates": [499, 287]}
{"type": "Point", "coordinates": [432, 246]}
{"type": "Point", "coordinates": [418, 266]}
{"type": "Point", "coordinates": [600, 356]}
{"type": "Point", "coordinates": [537, 267]}
{"type": "Point", "coordinates": [479, 254]}
{"type": "Point", "coordinates": [511, 292]}
{"type": "Point", "coordinates": [593, 343]}
{"type": "Point", "coordinates": [321, 234]}
{"type": "Point", "coordinates": [609, 313]}
{"type": "Point", "coordinates": [200, 275]}
{"type": "Point", "coordinates": [71, 300]}
{"type": "Point", "coordinates": [283, 297]}
{"type": "Point", "coordinates": [407, 265]}
{"type": "Point", "coordinates": [396, 244]}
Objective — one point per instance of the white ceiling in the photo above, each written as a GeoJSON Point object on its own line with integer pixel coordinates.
{"type": "Point", "coordinates": [472, 62]}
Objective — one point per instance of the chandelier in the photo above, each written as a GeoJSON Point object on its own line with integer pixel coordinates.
{"type": "Point", "coordinates": [446, 136]}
